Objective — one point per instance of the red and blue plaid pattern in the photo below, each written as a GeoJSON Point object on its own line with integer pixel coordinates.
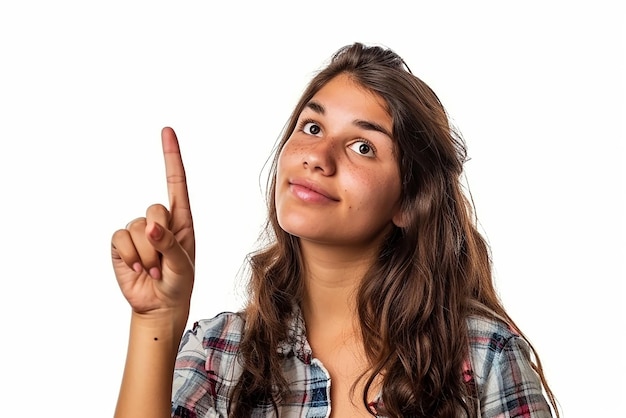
{"type": "Point", "coordinates": [207, 370]}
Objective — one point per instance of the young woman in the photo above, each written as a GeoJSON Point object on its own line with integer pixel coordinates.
{"type": "Point", "coordinates": [374, 295]}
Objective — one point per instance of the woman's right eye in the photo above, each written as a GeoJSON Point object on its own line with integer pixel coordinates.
{"type": "Point", "coordinates": [311, 128]}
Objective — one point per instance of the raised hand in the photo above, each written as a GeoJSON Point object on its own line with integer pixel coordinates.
{"type": "Point", "coordinates": [153, 257]}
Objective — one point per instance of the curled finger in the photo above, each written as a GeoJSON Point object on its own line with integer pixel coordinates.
{"type": "Point", "coordinates": [148, 255]}
{"type": "Point", "coordinates": [123, 248]}
{"type": "Point", "coordinates": [159, 214]}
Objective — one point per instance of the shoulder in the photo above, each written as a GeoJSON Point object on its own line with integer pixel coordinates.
{"type": "Point", "coordinates": [489, 333]}
{"type": "Point", "coordinates": [503, 371]}
{"type": "Point", "coordinates": [491, 341]}
{"type": "Point", "coordinates": [206, 365]}
{"type": "Point", "coordinates": [223, 333]}
{"type": "Point", "coordinates": [211, 344]}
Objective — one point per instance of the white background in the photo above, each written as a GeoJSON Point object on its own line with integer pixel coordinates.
{"type": "Point", "coordinates": [536, 88]}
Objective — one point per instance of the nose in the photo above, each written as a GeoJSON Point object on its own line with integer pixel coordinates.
{"type": "Point", "coordinates": [321, 157]}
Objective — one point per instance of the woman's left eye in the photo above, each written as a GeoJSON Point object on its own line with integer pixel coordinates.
{"type": "Point", "coordinates": [363, 148]}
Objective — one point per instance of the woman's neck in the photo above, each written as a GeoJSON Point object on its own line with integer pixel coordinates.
{"type": "Point", "coordinates": [332, 276]}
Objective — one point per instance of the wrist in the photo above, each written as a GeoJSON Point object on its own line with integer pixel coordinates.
{"type": "Point", "coordinates": [164, 325]}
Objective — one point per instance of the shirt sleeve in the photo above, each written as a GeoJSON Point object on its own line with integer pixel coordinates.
{"type": "Point", "coordinates": [512, 389]}
{"type": "Point", "coordinates": [191, 389]}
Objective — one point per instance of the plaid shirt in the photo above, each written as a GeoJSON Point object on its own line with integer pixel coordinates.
{"type": "Point", "coordinates": [207, 370]}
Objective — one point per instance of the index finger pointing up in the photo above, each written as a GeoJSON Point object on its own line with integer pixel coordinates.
{"type": "Point", "coordinates": [175, 173]}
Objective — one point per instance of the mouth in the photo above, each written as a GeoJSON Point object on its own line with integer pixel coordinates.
{"type": "Point", "coordinates": [310, 191]}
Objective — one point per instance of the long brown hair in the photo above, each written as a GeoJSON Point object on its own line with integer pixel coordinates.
{"type": "Point", "coordinates": [429, 277]}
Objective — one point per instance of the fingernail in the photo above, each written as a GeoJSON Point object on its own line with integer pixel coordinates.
{"type": "Point", "coordinates": [156, 233]}
{"type": "Point", "coordinates": [137, 267]}
{"type": "Point", "coordinates": [155, 273]}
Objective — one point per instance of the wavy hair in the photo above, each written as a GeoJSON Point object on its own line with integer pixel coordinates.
{"type": "Point", "coordinates": [430, 275]}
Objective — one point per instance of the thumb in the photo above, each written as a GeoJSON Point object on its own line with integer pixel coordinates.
{"type": "Point", "coordinates": [174, 256]}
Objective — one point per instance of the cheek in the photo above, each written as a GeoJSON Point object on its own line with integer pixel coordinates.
{"type": "Point", "coordinates": [284, 157]}
{"type": "Point", "coordinates": [366, 191]}
{"type": "Point", "coordinates": [289, 155]}
{"type": "Point", "coordinates": [379, 190]}
{"type": "Point", "coordinates": [283, 165]}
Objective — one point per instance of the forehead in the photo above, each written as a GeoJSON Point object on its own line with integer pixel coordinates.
{"type": "Point", "coordinates": [343, 93]}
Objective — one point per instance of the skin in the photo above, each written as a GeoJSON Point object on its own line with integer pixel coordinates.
{"type": "Point", "coordinates": [338, 190]}
{"type": "Point", "coordinates": [153, 260]}
{"type": "Point", "coordinates": [341, 222]}
{"type": "Point", "coordinates": [339, 151]}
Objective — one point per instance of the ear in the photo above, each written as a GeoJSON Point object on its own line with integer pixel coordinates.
{"type": "Point", "coordinates": [401, 218]}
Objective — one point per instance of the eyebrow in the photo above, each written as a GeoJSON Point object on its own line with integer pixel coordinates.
{"type": "Point", "coordinates": [363, 124]}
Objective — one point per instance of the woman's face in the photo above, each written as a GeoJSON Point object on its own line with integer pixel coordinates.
{"type": "Point", "coordinates": [338, 180]}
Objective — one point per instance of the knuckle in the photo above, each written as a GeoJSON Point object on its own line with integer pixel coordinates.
{"type": "Point", "coordinates": [157, 211]}
{"type": "Point", "coordinates": [118, 235]}
{"type": "Point", "coordinates": [156, 207]}
{"type": "Point", "coordinates": [176, 178]}
{"type": "Point", "coordinates": [136, 224]}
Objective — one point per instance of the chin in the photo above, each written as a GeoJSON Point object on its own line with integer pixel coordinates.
{"type": "Point", "coordinates": [300, 229]}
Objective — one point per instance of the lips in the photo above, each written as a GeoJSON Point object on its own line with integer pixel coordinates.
{"type": "Point", "coordinates": [310, 191]}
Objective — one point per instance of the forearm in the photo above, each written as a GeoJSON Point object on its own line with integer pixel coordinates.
{"type": "Point", "coordinates": [146, 387]}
